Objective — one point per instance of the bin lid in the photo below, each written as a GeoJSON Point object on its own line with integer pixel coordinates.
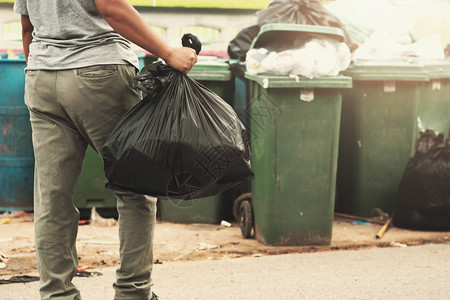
{"type": "Point", "coordinates": [381, 70]}
{"type": "Point", "coordinates": [281, 81]}
{"type": "Point", "coordinates": [211, 68]}
{"type": "Point", "coordinates": [437, 69]}
{"type": "Point", "coordinates": [279, 35]}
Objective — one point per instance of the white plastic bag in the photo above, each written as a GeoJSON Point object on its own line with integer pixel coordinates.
{"type": "Point", "coordinates": [362, 17]}
{"type": "Point", "coordinates": [386, 45]}
{"type": "Point", "coordinates": [316, 58]}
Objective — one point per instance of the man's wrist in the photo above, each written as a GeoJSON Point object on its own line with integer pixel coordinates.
{"type": "Point", "coordinates": [166, 54]}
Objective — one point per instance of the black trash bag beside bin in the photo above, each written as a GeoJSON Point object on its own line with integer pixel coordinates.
{"type": "Point", "coordinates": [182, 141]}
{"type": "Point", "coordinates": [239, 46]}
{"type": "Point", "coordinates": [424, 191]}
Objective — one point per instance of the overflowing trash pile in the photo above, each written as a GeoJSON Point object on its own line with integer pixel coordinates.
{"type": "Point", "coordinates": [361, 18]}
{"type": "Point", "coordinates": [310, 57]}
{"type": "Point", "coordinates": [372, 30]}
{"type": "Point", "coordinates": [383, 32]}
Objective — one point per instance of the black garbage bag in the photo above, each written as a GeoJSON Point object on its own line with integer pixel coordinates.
{"type": "Point", "coordinates": [424, 191]}
{"type": "Point", "coordinates": [182, 141]}
{"type": "Point", "coordinates": [309, 12]}
{"type": "Point", "coordinates": [297, 12]}
{"type": "Point", "coordinates": [239, 46]}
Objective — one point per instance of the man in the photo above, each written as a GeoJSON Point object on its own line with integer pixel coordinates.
{"type": "Point", "coordinates": [79, 63]}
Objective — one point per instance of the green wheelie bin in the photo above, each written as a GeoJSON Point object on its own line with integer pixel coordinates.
{"type": "Point", "coordinates": [434, 102]}
{"type": "Point", "coordinates": [294, 142]}
{"type": "Point", "coordinates": [213, 73]}
{"type": "Point", "coordinates": [378, 133]}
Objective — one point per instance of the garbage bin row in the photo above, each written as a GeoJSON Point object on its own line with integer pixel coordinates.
{"type": "Point", "coordinates": [390, 103]}
{"type": "Point", "coordinates": [318, 145]}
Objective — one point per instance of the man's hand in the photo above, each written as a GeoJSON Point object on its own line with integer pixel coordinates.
{"type": "Point", "coordinates": [182, 59]}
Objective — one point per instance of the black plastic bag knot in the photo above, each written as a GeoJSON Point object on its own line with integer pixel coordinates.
{"type": "Point", "coordinates": [190, 40]}
{"type": "Point", "coordinates": [152, 78]}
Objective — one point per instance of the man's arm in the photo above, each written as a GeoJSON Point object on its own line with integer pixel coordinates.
{"type": "Point", "coordinates": [126, 21]}
{"type": "Point", "coordinates": [27, 30]}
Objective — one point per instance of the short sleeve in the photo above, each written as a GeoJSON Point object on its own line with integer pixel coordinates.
{"type": "Point", "coordinates": [20, 7]}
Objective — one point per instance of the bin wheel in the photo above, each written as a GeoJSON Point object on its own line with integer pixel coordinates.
{"type": "Point", "coordinates": [108, 212]}
{"type": "Point", "coordinates": [246, 219]}
{"type": "Point", "coordinates": [85, 213]}
{"type": "Point", "coordinates": [237, 205]}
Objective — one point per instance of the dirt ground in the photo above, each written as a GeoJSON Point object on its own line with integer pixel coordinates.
{"type": "Point", "coordinates": [98, 243]}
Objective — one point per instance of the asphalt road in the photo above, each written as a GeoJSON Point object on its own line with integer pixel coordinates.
{"type": "Point", "coordinates": [414, 272]}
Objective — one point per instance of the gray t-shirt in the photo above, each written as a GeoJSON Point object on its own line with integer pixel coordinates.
{"type": "Point", "coordinates": [72, 34]}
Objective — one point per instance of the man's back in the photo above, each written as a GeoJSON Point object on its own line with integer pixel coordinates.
{"type": "Point", "coordinates": [72, 34]}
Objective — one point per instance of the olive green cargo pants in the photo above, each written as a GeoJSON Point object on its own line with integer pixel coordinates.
{"type": "Point", "coordinates": [69, 110]}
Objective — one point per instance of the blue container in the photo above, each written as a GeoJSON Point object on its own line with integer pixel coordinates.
{"type": "Point", "coordinates": [141, 57]}
{"type": "Point", "coordinates": [16, 150]}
